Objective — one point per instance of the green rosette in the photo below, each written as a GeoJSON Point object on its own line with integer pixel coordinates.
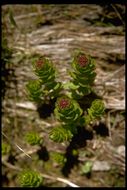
{"type": "Point", "coordinates": [81, 91]}
{"type": "Point", "coordinates": [96, 110]}
{"type": "Point", "coordinates": [58, 157]}
{"type": "Point", "coordinates": [53, 88]}
{"type": "Point", "coordinates": [67, 110]}
{"type": "Point", "coordinates": [83, 75]}
{"type": "Point", "coordinates": [5, 148]}
{"type": "Point", "coordinates": [60, 134]}
{"type": "Point", "coordinates": [33, 138]}
{"type": "Point", "coordinates": [34, 89]}
{"type": "Point", "coordinates": [30, 178]}
{"type": "Point", "coordinates": [44, 69]}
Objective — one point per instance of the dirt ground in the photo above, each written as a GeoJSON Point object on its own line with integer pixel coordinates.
{"type": "Point", "coordinates": [56, 31]}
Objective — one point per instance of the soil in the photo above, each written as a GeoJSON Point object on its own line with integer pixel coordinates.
{"type": "Point", "coordinates": [56, 31]}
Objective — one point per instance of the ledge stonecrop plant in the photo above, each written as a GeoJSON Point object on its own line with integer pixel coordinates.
{"type": "Point", "coordinates": [87, 167]}
{"type": "Point", "coordinates": [95, 111]}
{"type": "Point", "coordinates": [60, 134]}
{"type": "Point", "coordinates": [35, 92]}
{"type": "Point", "coordinates": [33, 138]}
{"type": "Point", "coordinates": [5, 148]}
{"type": "Point", "coordinates": [69, 95]}
{"type": "Point", "coordinates": [83, 74]}
{"type": "Point", "coordinates": [67, 110]}
{"type": "Point", "coordinates": [46, 85]}
{"type": "Point", "coordinates": [30, 178]}
{"type": "Point", "coordinates": [58, 158]}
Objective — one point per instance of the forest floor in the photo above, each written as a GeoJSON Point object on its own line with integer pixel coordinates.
{"type": "Point", "coordinates": [56, 31]}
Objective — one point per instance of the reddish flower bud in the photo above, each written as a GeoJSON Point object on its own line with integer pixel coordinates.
{"type": "Point", "coordinates": [64, 103]}
{"type": "Point", "coordinates": [82, 60]}
{"type": "Point", "coordinates": [40, 63]}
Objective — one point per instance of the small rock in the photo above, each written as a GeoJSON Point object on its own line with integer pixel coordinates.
{"type": "Point", "coordinates": [121, 150]}
{"type": "Point", "coordinates": [101, 166]}
{"type": "Point", "coordinates": [26, 105]}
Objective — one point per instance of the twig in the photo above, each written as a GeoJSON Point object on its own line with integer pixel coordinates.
{"type": "Point", "coordinates": [67, 182]}
{"type": "Point", "coordinates": [117, 12]}
{"type": "Point", "coordinates": [109, 125]}
{"type": "Point", "coordinates": [11, 166]}
{"type": "Point", "coordinates": [22, 150]}
{"type": "Point", "coordinates": [113, 74]}
{"type": "Point", "coordinates": [61, 180]}
{"type": "Point", "coordinates": [26, 105]}
{"type": "Point", "coordinates": [28, 153]}
{"type": "Point", "coordinates": [25, 16]}
{"type": "Point", "coordinates": [15, 145]}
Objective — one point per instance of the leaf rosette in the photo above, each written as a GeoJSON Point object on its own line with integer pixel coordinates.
{"type": "Point", "coordinates": [5, 148]}
{"type": "Point", "coordinates": [67, 110]}
{"type": "Point", "coordinates": [60, 134]}
{"type": "Point", "coordinates": [46, 72]}
{"type": "Point", "coordinates": [58, 157]}
{"type": "Point", "coordinates": [30, 178]}
{"type": "Point", "coordinates": [83, 74]}
{"type": "Point", "coordinates": [44, 69]}
{"type": "Point", "coordinates": [83, 66]}
{"type": "Point", "coordinates": [97, 109]}
{"type": "Point", "coordinates": [33, 138]}
{"type": "Point", "coordinates": [34, 89]}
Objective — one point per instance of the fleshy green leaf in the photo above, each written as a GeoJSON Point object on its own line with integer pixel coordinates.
{"type": "Point", "coordinates": [60, 134]}
{"type": "Point", "coordinates": [12, 20]}
{"type": "Point", "coordinates": [5, 148]}
{"type": "Point", "coordinates": [67, 110]}
{"type": "Point", "coordinates": [30, 178]}
{"type": "Point", "coordinates": [33, 138]}
{"type": "Point", "coordinates": [83, 75]}
{"type": "Point", "coordinates": [58, 157]}
{"type": "Point", "coordinates": [34, 89]}
{"type": "Point", "coordinates": [87, 167]}
{"type": "Point", "coordinates": [97, 109]}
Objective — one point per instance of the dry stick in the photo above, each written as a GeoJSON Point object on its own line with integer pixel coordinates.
{"type": "Point", "coordinates": [26, 16]}
{"type": "Point", "coordinates": [60, 179]}
{"type": "Point", "coordinates": [115, 158]}
{"type": "Point", "coordinates": [109, 125]}
{"type": "Point", "coordinates": [117, 12]}
{"type": "Point", "coordinates": [120, 104]}
{"type": "Point", "coordinates": [29, 152]}
{"type": "Point", "coordinates": [11, 166]}
{"type": "Point", "coordinates": [112, 74]}
{"type": "Point", "coordinates": [15, 145]}
{"type": "Point", "coordinates": [34, 150]}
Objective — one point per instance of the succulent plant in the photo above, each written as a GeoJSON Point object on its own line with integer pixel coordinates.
{"type": "Point", "coordinates": [5, 148]}
{"type": "Point", "coordinates": [95, 111]}
{"type": "Point", "coordinates": [83, 74]}
{"type": "Point", "coordinates": [33, 138]}
{"type": "Point", "coordinates": [30, 178]}
{"type": "Point", "coordinates": [44, 69]}
{"type": "Point", "coordinates": [87, 167]}
{"type": "Point", "coordinates": [45, 85]}
{"type": "Point", "coordinates": [60, 134]}
{"type": "Point", "coordinates": [67, 110]}
{"type": "Point", "coordinates": [34, 89]}
{"type": "Point", "coordinates": [58, 157]}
